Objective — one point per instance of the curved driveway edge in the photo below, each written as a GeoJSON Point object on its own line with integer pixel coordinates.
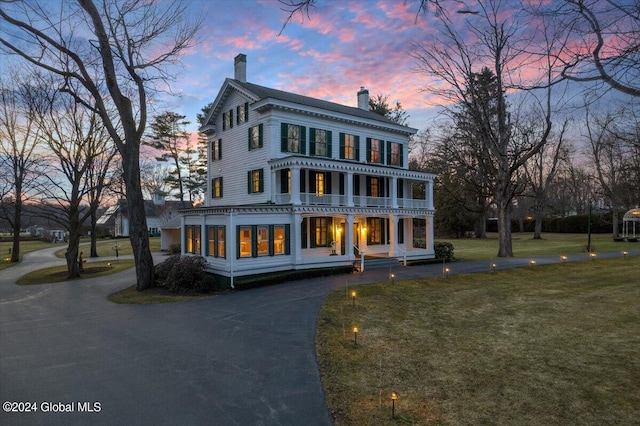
{"type": "Point", "coordinates": [244, 358]}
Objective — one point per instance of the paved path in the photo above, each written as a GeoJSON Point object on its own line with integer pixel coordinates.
{"type": "Point", "coordinates": [243, 358]}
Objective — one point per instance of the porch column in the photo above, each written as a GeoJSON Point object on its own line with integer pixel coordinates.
{"type": "Point", "coordinates": [295, 186]}
{"type": "Point", "coordinates": [408, 233]}
{"type": "Point", "coordinates": [349, 190]}
{"type": "Point", "coordinates": [183, 234]}
{"type": "Point", "coordinates": [429, 193]}
{"type": "Point", "coordinates": [393, 234]}
{"type": "Point", "coordinates": [349, 242]}
{"type": "Point", "coordinates": [297, 240]}
{"type": "Point", "coordinates": [394, 193]}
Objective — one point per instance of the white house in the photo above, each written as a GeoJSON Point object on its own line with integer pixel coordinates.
{"type": "Point", "coordinates": [296, 183]}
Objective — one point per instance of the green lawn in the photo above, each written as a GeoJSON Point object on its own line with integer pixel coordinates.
{"type": "Point", "coordinates": [525, 246]}
{"type": "Point", "coordinates": [57, 274]}
{"type": "Point", "coordinates": [106, 248]}
{"type": "Point", "coordinates": [25, 247]}
{"type": "Point", "coordinates": [550, 345]}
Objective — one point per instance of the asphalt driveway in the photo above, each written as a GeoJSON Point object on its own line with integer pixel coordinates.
{"type": "Point", "coordinates": [243, 358]}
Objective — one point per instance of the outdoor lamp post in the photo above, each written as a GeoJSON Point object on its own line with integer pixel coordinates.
{"type": "Point", "coordinates": [353, 297]}
{"type": "Point", "coordinates": [394, 397]}
{"type": "Point", "coordinates": [355, 335]}
{"type": "Point", "coordinates": [493, 267]}
{"type": "Point", "coordinates": [393, 278]}
{"type": "Point", "coordinates": [625, 253]}
{"type": "Point", "coordinates": [593, 256]}
{"type": "Point", "coordinates": [564, 259]}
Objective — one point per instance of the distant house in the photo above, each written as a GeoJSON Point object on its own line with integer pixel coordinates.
{"type": "Point", "coordinates": [296, 182]}
{"type": "Point", "coordinates": [158, 211]}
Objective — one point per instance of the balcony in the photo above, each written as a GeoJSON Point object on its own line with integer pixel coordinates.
{"type": "Point", "coordinates": [358, 201]}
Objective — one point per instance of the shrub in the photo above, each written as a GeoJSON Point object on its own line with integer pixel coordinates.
{"type": "Point", "coordinates": [174, 248]}
{"type": "Point", "coordinates": [443, 250]}
{"type": "Point", "coordinates": [184, 274]}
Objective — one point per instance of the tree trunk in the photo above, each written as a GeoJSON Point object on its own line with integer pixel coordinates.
{"type": "Point", "coordinates": [94, 220]}
{"type": "Point", "coordinates": [614, 222]}
{"type": "Point", "coordinates": [71, 255]}
{"type": "Point", "coordinates": [17, 223]}
{"type": "Point", "coordinates": [537, 231]}
{"type": "Point", "coordinates": [504, 227]}
{"type": "Point", "coordinates": [480, 228]}
{"type": "Point", "coordinates": [138, 231]}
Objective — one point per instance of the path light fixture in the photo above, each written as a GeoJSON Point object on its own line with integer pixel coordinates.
{"type": "Point", "coordinates": [625, 253]}
{"type": "Point", "coordinates": [353, 297]}
{"type": "Point", "coordinates": [532, 262]}
{"type": "Point", "coordinates": [564, 259]}
{"type": "Point", "coordinates": [593, 256]}
{"type": "Point", "coordinates": [355, 335]}
{"type": "Point", "coordinates": [445, 272]}
{"type": "Point", "coordinates": [109, 264]}
{"type": "Point", "coordinates": [493, 267]}
{"type": "Point", "coordinates": [394, 397]}
{"type": "Point", "coordinates": [392, 277]}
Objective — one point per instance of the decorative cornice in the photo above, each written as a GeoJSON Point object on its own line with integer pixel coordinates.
{"type": "Point", "coordinates": [319, 210]}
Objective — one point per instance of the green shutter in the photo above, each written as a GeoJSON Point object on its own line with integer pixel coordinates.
{"type": "Point", "coordinates": [284, 128]}
{"type": "Point", "coordinates": [238, 114]}
{"type": "Point", "coordinates": [327, 182]}
{"type": "Point", "coordinates": [303, 233]}
{"type": "Point", "coordinates": [400, 231]}
{"type": "Point", "coordinates": [388, 152]}
{"type": "Point", "coordinates": [401, 156]}
{"type": "Point", "coordinates": [237, 242]}
{"type": "Point", "coordinates": [254, 240]}
{"type": "Point", "coordinates": [368, 185]}
{"type": "Point", "coordinates": [400, 190]}
{"type": "Point", "coordinates": [260, 131]}
{"type": "Point", "coordinates": [303, 140]}
{"type": "Point", "coordinates": [312, 181]}
{"type": "Point", "coordinates": [284, 181]}
{"type": "Point", "coordinates": [261, 179]}
{"type": "Point", "coordinates": [249, 188]}
{"type": "Point", "coordinates": [381, 151]}
{"type": "Point", "coordinates": [342, 145]}
{"type": "Point", "coordinates": [215, 240]}
{"type": "Point", "coordinates": [356, 184]}
{"type": "Point", "coordinates": [341, 175]}
{"type": "Point", "coordinates": [231, 118]}
{"type": "Point", "coordinates": [246, 111]}
{"type": "Point", "coordinates": [329, 231]}
{"type": "Point", "coordinates": [368, 149]}
{"type": "Point", "coordinates": [219, 149]}
{"type": "Point", "coordinates": [249, 138]}
{"type": "Point", "coordinates": [303, 181]}
{"type": "Point", "coordinates": [270, 240]}
{"type": "Point", "coordinates": [357, 142]}
{"type": "Point", "coordinates": [287, 239]}
{"type": "Point", "coordinates": [369, 228]}
{"type": "Point", "coordinates": [329, 137]}
{"type": "Point", "coordinates": [312, 228]}
{"type": "Point", "coordinates": [312, 141]}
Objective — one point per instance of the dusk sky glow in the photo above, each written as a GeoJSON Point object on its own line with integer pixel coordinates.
{"type": "Point", "coordinates": [340, 47]}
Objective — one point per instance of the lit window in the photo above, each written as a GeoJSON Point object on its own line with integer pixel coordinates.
{"type": "Point", "coordinates": [293, 138]}
{"type": "Point", "coordinates": [245, 241]}
{"type": "Point", "coordinates": [256, 181]}
{"type": "Point", "coordinates": [375, 151]}
{"type": "Point", "coordinates": [216, 191]}
{"type": "Point", "coordinates": [227, 120]}
{"type": "Point", "coordinates": [242, 113]}
{"type": "Point", "coordinates": [255, 137]}
{"type": "Point", "coordinates": [216, 150]}
{"type": "Point", "coordinates": [321, 232]}
{"type": "Point", "coordinates": [320, 184]}
{"type": "Point", "coordinates": [220, 241]}
{"type": "Point", "coordinates": [394, 155]}
{"type": "Point", "coordinates": [375, 230]}
{"type": "Point", "coordinates": [215, 243]}
{"type": "Point", "coordinates": [375, 187]}
{"type": "Point", "coordinates": [263, 240]}
{"type": "Point", "coordinates": [278, 240]}
{"type": "Point", "coordinates": [320, 142]}
{"type": "Point", "coordinates": [348, 151]}
{"type": "Point", "coordinates": [192, 239]}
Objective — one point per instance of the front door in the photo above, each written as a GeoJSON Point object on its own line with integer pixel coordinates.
{"type": "Point", "coordinates": [356, 238]}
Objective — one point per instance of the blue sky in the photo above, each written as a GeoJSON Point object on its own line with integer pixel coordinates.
{"type": "Point", "coordinates": [343, 46]}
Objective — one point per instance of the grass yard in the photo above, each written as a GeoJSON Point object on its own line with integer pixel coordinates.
{"type": "Point", "coordinates": [525, 246]}
{"type": "Point", "coordinates": [57, 274]}
{"type": "Point", "coordinates": [131, 296]}
{"type": "Point", "coordinates": [105, 248]}
{"type": "Point", "coordinates": [549, 345]}
{"type": "Point", "coordinates": [25, 247]}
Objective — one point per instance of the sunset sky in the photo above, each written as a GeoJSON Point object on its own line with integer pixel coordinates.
{"type": "Point", "coordinates": [344, 45]}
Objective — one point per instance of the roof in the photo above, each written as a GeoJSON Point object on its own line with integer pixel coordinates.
{"type": "Point", "coordinates": [259, 93]}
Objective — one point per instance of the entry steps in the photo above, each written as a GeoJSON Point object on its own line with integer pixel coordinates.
{"type": "Point", "coordinates": [378, 262]}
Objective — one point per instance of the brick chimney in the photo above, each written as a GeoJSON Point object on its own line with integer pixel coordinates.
{"type": "Point", "coordinates": [240, 67]}
{"type": "Point", "coordinates": [363, 99]}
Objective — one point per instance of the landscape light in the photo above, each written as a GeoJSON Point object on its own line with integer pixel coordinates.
{"type": "Point", "coordinates": [446, 271]}
{"type": "Point", "coordinates": [625, 253]}
{"type": "Point", "coordinates": [532, 262]}
{"type": "Point", "coordinates": [393, 278]}
{"type": "Point", "coordinates": [353, 297]}
{"type": "Point", "coordinates": [563, 258]}
{"type": "Point", "coordinates": [493, 267]}
{"type": "Point", "coordinates": [394, 397]}
{"type": "Point", "coordinates": [593, 256]}
{"type": "Point", "coordinates": [355, 335]}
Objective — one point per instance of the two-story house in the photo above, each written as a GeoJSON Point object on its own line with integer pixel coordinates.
{"type": "Point", "coordinates": [296, 182]}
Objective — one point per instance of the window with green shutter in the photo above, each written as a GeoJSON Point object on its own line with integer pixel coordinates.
{"type": "Point", "coordinates": [216, 187]}
{"type": "Point", "coordinates": [255, 137]}
{"type": "Point", "coordinates": [255, 181]}
{"type": "Point", "coordinates": [292, 138]}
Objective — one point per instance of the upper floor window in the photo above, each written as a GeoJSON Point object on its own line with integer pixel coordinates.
{"type": "Point", "coordinates": [216, 150]}
{"type": "Point", "coordinates": [227, 119]}
{"type": "Point", "coordinates": [255, 137]}
{"type": "Point", "coordinates": [256, 181]}
{"type": "Point", "coordinates": [349, 147]}
{"type": "Point", "coordinates": [320, 142]}
{"type": "Point", "coordinates": [293, 138]}
{"type": "Point", "coordinates": [394, 154]}
{"type": "Point", "coordinates": [242, 113]}
{"type": "Point", "coordinates": [374, 187]}
{"type": "Point", "coordinates": [320, 184]}
{"type": "Point", "coordinates": [216, 187]}
{"type": "Point", "coordinates": [375, 150]}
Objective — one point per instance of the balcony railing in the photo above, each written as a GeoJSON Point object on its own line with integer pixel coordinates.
{"type": "Point", "coordinates": [358, 201]}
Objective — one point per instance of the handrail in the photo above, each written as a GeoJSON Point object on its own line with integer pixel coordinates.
{"type": "Point", "coordinates": [404, 254]}
{"type": "Point", "coordinates": [361, 257]}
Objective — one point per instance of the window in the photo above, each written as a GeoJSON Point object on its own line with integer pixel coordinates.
{"type": "Point", "coordinates": [216, 150]}
{"type": "Point", "coordinates": [320, 231]}
{"type": "Point", "coordinates": [255, 137]}
{"type": "Point", "coordinates": [263, 240]}
{"type": "Point", "coordinates": [374, 187]}
{"type": "Point", "coordinates": [278, 239]}
{"type": "Point", "coordinates": [227, 120]}
{"type": "Point", "coordinates": [242, 113]}
{"type": "Point", "coordinates": [374, 235]}
{"type": "Point", "coordinates": [216, 187]}
{"type": "Point", "coordinates": [394, 154]}
{"type": "Point", "coordinates": [375, 149]}
{"type": "Point", "coordinates": [216, 241]}
{"type": "Point", "coordinates": [192, 239]}
{"type": "Point", "coordinates": [349, 147]}
{"type": "Point", "coordinates": [320, 142]}
{"type": "Point", "coordinates": [320, 184]}
{"type": "Point", "coordinates": [245, 241]}
{"type": "Point", "coordinates": [256, 181]}
{"type": "Point", "coordinates": [293, 138]}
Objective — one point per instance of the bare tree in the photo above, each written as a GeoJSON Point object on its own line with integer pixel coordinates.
{"type": "Point", "coordinates": [473, 66]}
{"type": "Point", "coordinates": [21, 164]}
{"type": "Point", "coordinates": [130, 46]}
